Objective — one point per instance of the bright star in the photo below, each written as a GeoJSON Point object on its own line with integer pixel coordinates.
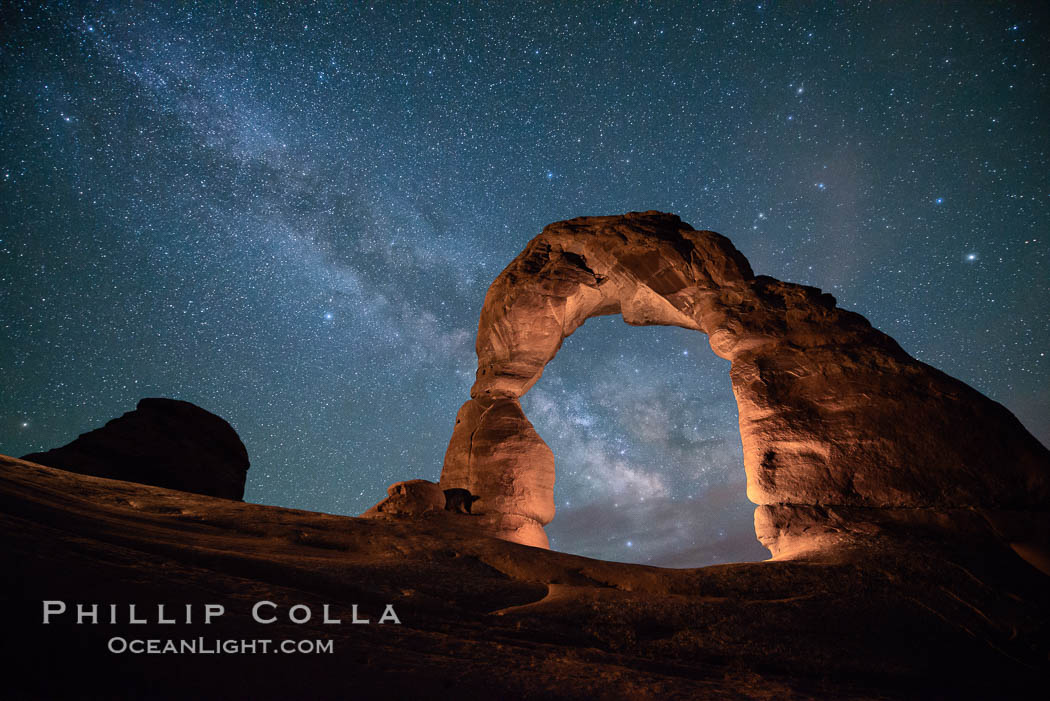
{"type": "Point", "coordinates": [939, 200]}
{"type": "Point", "coordinates": [550, 175]}
{"type": "Point", "coordinates": [328, 316]}
{"type": "Point", "coordinates": [971, 256]}
{"type": "Point", "coordinates": [630, 544]}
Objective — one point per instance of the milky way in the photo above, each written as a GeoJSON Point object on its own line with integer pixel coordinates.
{"type": "Point", "coordinates": [290, 216]}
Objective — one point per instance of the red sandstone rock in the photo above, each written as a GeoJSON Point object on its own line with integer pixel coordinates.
{"type": "Point", "coordinates": [163, 442]}
{"type": "Point", "coordinates": [832, 411]}
{"type": "Point", "coordinates": [505, 462]}
{"type": "Point", "coordinates": [409, 498]}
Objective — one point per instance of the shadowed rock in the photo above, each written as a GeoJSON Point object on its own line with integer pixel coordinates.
{"type": "Point", "coordinates": [163, 442]}
{"type": "Point", "coordinates": [841, 429]}
{"type": "Point", "coordinates": [459, 500]}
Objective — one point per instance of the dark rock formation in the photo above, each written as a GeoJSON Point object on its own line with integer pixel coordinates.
{"type": "Point", "coordinates": [164, 442]}
{"type": "Point", "coordinates": [842, 430]}
{"type": "Point", "coordinates": [459, 500]}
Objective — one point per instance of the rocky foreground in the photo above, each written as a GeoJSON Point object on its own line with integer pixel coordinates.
{"type": "Point", "coordinates": [912, 616]}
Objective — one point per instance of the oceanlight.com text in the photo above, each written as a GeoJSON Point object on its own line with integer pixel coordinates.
{"type": "Point", "coordinates": [217, 646]}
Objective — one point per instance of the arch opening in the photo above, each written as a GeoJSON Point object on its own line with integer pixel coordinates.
{"type": "Point", "coordinates": [643, 427]}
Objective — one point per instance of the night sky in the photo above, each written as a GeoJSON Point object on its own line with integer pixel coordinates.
{"type": "Point", "coordinates": [290, 217]}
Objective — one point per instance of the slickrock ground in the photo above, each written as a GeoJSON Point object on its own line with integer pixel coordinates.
{"type": "Point", "coordinates": [913, 616]}
{"type": "Point", "coordinates": [166, 442]}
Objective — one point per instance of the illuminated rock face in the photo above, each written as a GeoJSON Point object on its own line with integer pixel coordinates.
{"type": "Point", "coordinates": [833, 413]}
{"type": "Point", "coordinates": [409, 498]}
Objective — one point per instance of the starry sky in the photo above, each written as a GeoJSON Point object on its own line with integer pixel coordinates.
{"type": "Point", "coordinates": [290, 216]}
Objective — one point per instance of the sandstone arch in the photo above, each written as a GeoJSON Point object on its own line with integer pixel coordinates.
{"type": "Point", "coordinates": [843, 432]}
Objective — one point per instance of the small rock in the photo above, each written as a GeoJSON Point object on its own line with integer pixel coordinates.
{"type": "Point", "coordinates": [410, 498]}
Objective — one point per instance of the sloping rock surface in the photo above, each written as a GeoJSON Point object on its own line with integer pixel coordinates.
{"type": "Point", "coordinates": [483, 618]}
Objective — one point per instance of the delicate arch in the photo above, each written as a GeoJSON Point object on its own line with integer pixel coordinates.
{"type": "Point", "coordinates": [833, 413]}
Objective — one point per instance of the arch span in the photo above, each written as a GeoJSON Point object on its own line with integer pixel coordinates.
{"type": "Point", "coordinates": [835, 418]}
